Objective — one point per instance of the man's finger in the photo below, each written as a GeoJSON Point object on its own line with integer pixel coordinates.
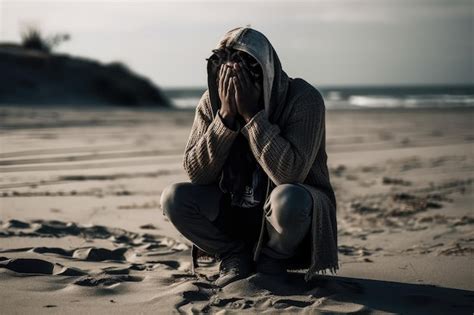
{"type": "Point", "coordinates": [238, 95]}
{"type": "Point", "coordinates": [221, 77]}
{"type": "Point", "coordinates": [223, 86]}
{"type": "Point", "coordinates": [226, 79]}
{"type": "Point", "coordinates": [238, 87]}
{"type": "Point", "coordinates": [231, 91]}
{"type": "Point", "coordinates": [219, 71]}
{"type": "Point", "coordinates": [246, 78]}
{"type": "Point", "coordinates": [240, 77]}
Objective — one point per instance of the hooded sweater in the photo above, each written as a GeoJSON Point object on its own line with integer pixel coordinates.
{"type": "Point", "coordinates": [287, 139]}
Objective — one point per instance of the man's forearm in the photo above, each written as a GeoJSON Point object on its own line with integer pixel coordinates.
{"type": "Point", "coordinates": [287, 155]}
{"type": "Point", "coordinates": [206, 152]}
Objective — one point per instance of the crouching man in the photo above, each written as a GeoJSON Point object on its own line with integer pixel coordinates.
{"type": "Point", "coordinates": [259, 197]}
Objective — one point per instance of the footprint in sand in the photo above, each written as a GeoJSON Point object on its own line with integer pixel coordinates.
{"type": "Point", "coordinates": [38, 266]}
{"type": "Point", "coordinates": [134, 248]}
{"type": "Point", "coordinates": [108, 276]}
{"type": "Point", "coordinates": [28, 265]}
{"type": "Point", "coordinates": [16, 224]}
{"type": "Point", "coordinates": [101, 254]}
{"type": "Point", "coordinates": [52, 250]}
{"type": "Point", "coordinates": [105, 280]}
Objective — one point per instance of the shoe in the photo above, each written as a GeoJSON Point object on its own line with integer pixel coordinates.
{"type": "Point", "coordinates": [234, 266]}
{"type": "Point", "coordinates": [271, 266]}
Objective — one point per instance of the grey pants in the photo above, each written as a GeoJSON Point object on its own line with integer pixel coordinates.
{"type": "Point", "coordinates": [194, 210]}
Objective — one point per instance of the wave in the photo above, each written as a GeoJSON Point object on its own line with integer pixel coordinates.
{"type": "Point", "coordinates": [185, 102]}
{"type": "Point", "coordinates": [367, 98]}
{"type": "Point", "coordinates": [411, 101]}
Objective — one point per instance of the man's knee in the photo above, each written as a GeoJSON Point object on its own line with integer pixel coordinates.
{"type": "Point", "coordinates": [290, 204]}
{"type": "Point", "coordinates": [172, 198]}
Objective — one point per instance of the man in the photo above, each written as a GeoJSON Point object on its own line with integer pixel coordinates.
{"type": "Point", "coordinates": [260, 197]}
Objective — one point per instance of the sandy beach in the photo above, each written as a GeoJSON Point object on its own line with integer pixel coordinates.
{"type": "Point", "coordinates": [81, 228]}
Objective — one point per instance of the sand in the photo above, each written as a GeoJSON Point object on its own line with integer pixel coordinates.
{"type": "Point", "coordinates": [81, 229]}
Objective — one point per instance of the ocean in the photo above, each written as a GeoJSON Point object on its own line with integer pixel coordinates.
{"type": "Point", "coordinates": [364, 97]}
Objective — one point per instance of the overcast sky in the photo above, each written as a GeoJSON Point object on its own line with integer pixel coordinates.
{"type": "Point", "coordinates": [332, 42]}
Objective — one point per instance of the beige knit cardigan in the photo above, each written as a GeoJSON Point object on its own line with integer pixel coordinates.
{"type": "Point", "coordinates": [290, 150]}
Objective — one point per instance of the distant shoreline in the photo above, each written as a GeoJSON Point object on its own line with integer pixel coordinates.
{"type": "Point", "coordinates": [435, 96]}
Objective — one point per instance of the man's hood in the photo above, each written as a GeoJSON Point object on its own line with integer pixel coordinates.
{"type": "Point", "coordinates": [275, 80]}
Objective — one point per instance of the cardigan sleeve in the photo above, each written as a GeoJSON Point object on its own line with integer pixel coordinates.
{"type": "Point", "coordinates": [287, 154]}
{"type": "Point", "coordinates": [208, 144]}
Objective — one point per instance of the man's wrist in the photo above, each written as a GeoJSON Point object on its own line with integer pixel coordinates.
{"type": "Point", "coordinates": [229, 121]}
{"type": "Point", "coordinates": [249, 117]}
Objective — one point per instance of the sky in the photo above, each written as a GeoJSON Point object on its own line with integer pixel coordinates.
{"type": "Point", "coordinates": [326, 42]}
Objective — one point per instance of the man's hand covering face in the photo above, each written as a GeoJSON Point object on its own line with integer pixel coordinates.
{"type": "Point", "coordinates": [239, 82]}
